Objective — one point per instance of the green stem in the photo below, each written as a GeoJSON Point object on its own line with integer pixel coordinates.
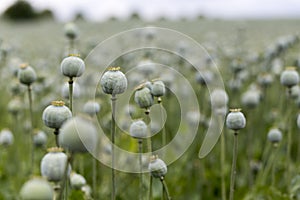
{"type": "Point", "coordinates": [113, 131]}
{"type": "Point", "coordinates": [165, 188]}
{"type": "Point", "coordinates": [65, 182]}
{"type": "Point", "coordinates": [222, 160]}
{"type": "Point", "coordinates": [150, 188]}
{"type": "Point", "coordinates": [164, 136]}
{"type": "Point", "coordinates": [56, 132]}
{"type": "Point", "coordinates": [140, 143]}
{"type": "Point", "coordinates": [275, 146]}
{"type": "Point", "coordinates": [71, 94]}
{"type": "Point", "coordinates": [94, 177]}
{"type": "Point", "coordinates": [31, 128]}
{"type": "Point", "coordinates": [233, 167]}
{"type": "Point", "coordinates": [289, 139]}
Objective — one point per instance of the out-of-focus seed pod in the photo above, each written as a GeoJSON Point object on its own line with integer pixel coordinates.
{"type": "Point", "coordinates": [113, 81]}
{"type": "Point", "coordinates": [143, 97]}
{"type": "Point", "coordinates": [65, 90]}
{"type": "Point", "coordinates": [77, 181]}
{"type": "Point", "coordinates": [138, 129]}
{"type": "Point", "coordinates": [78, 134]}
{"type": "Point", "coordinates": [72, 66]}
{"type": "Point", "coordinates": [15, 106]}
{"type": "Point", "coordinates": [91, 108]}
{"type": "Point", "coordinates": [71, 31]}
{"type": "Point", "coordinates": [26, 74]}
{"type": "Point", "coordinates": [53, 164]}
{"type": "Point", "coordinates": [157, 167]}
{"type": "Point", "coordinates": [265, 79]}
{"type": "Point", "coordinates": [219, 100]}
{"type": "Point", "coordinates": [6, 137]}
{"type": "Point", "coordinates": [56, 114]}
{"type": "Point", "coordinates": [158, 89]}
{"type": "Point", "coordinates": [289, 77]}
{"type": "Point", "coordinates": [274, 135]}
{"type": "Point", "coordinates": [251, 98]}
{"type": "Point", "coordinates": [235, 120]}
{"type": "Point", "coordinates": [204, 77]}
{"type": "Point", "coordinates": [36, 189]}
{"type": "Point", "coordinates": [39, 138]}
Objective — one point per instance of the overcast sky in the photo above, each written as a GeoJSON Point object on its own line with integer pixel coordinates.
{"type": "Point", "coordinates": [151, 9]}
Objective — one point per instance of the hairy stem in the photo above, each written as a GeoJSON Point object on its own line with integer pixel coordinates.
{"type": "Point", "coordinates": [113, 131]}
{"type": "Point", "coordinates": [233, 167]}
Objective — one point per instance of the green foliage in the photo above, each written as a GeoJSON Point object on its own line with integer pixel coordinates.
{"type": "Point", "coordinates": [20, 10]}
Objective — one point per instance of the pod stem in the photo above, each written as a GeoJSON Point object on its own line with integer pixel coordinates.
{"type": "Point", "coordinates": [113, 131]}
{"type": "Point", "coordinates": [165, 188]}
{"type": "Point", "coordinates": [31, 128]}
{"type": "Point", "coordinates": [65, 182]}
{"type": "Point", "coordinates": [94, 178]}
{"type": "Point", "coordinates": [233, 167]}
{"type": "Point", "coordinates": [140, 143]}
{"type": "Point", "coordinates": [56, 132]}
{"type": "Point", "coordinates": [222, 160]}
{"type": "Point", "coordinates": [71, 93]}
{"type": "Point", "coordinates": [163, 134]}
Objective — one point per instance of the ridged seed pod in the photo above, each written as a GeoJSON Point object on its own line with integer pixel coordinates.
{"type": "Point", "coordinates": [157, 167]}
{"type": "Point", "coordinates": [158, 88]}
{"type": "Point", "coordinates": [289, 77]}
{"type": "Point", "coordinates": [36, 189]}
{"type": "Point", "coordinates": [143, 97]}
{"type": "Point", "coordinates": [113, 81]}
{"type": "Point", "coordinates": [56, 114]}
{"type": "Point", "coordinates": [78, 134]}
{"type": "Point", "coordinates": [235, 120]}
{"type": "Point", "coordinates": [26, 74]}
{"type": "Point", "coordinates": [72, 66]}
{"type": "Point", "coordinates": [274, 135]}
{"type": "Point", "coordinates": [138, 129]}
{"type": "Point", "coordinates": [53, 164]}
{"type": "Point", "coordinates": [77, 181]}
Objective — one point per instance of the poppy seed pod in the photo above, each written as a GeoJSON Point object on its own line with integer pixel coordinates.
{"type": "Point", "coordinates": [274, 135]}
{"type": "Point", "coordinates": [40, 138]}
{"type": "Point", "coordinates": [77, 181]}
{"type": "Point", "coordinates": [138, 129]}
{"type": "Point", "coordinates": [56, 114]}
{"type": "Point", "coordinates": [289, 77]}
{"type": "Point", "coordinates": [26, 74]}
{"type": "Point", "coordinates": [251, 98]}
{"type": "Point", "coordinates": [158, 88]}
{"type": "Point", "coordinates": [36, 189]}
{"type": "Point", "coordinates": [143, 97]}
{"type": "Point", "coordinates": [6, 137]}
{"type": "Point", "coordinates": [157, 167]}
{"type": "Point", "coordinates": [78, 134]}
{"type": "Point", "coordinates": [113, 81]}
{"type": "Point", "coordinates": [53, 164]}
{"type": "Point", "coordinates": [218, 98]}
{"type": "Point", "coordinates": [235, 120]}
{"type": "Point", "coordinates": [72, 66]}
{"type": "Point", "coordinates": [91, 108]}
{"type": "Point", "coordinates": [204, 77]}
{"type": "Point", "coordinates": [71, 31]}
{"type": "Point", "coordinates": [15, 106]}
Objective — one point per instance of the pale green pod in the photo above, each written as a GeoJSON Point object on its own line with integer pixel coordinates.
{"type": "Point", "coordinates": [6, 137]}
{"type": "Point", "coordinates": [77, 181]}
{"type": "Point", "coordinates": [157, 167]}
{"type": "Point", "coordinates": [138, 129]}
{"type": "Point", "coordinates": [78, 134]}
{"type": "Point", "coordinates": [56, 114]}
{"type": "Point", "coordinates": [143, 97]}
{"type": "Point", "coordinates": [72, 66]}
{"type": "Point", "coordinates": [289, 77]}
{"type": "Point", "coordinates": [26, 74]}
{"type": "Point", "coordinates": [36, 189]}
{"type": "Point", "coordinates": [15, 106]}
{"type": "Point", "coordinates": [235, 120]}
{"type": "Point", "coordinates": [53, 164]}
{"type": "Point", "coordinates": [158, 88]}
{"type": "Point", "coordinates": [39, 138]}
{"type": "Point", "coordinates": [91, 108]}
{"type": "Point", "coordinates": [251, 98]}
{"type": "Point", "coordinates": [218, 99]}
{"type": "Point", "coordinates": [274, 135]}
{"type": "Point", "coordinates": [71, 30]}
{"type": "Point", "coordinates": [113, 81]}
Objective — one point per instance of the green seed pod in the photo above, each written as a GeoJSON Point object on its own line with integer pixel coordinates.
{"type": "Point", "coordinates": [143, 97]}
{"type": "Point", "coordinates": [26, 74]}
{"type": "Point", "coordinates": [71, 31]}
{"type": "Point", "coordinates": [40, 138]}
{"type": "Point", "coordinates": [138, 129]}
{"type": "Point", "coordinates": [157, 167]}
{"type": "Point", "coordinates": [53, 164]}
{"type": "Point", "coordinates": [78, 134]}
{"type": "Point", "coordinates": [235, 120]}
{"type": "Point", "coordinates": [91, 108]}
{"type": "Point", "coordinates": [36, 189]}
{"type": "Point", "coordinates": [56, 114]}
{"type": "Point", "coordinates": [265, 79]}
{"type": "Point", "coordinates": [77, 181]}
{"type": "Point", "coordinates": [274, 135]}
{"type": "Point", "coordinates": [15, 106]}
{"type": "Point", "coordinates": [158, 88]}
{"type": "Point", "coordinates": [251, 98]}
{"type": "Point", "coordinates": [289, 77]}
{"type": "Point", "coordinates": [6, 137]}
{"type": "Point", "coordinates": [72, 66]}
{"type": "Point", "coordinates": [113, 81]}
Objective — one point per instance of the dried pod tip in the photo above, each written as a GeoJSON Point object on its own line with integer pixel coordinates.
{"type": "Point", "coordinates": [55, 149]}
{"type": "Point", "coordinates": [57, 103]}
{"type": "Point", "coordinates": [23, 65]}
{"type": "Point", "coordinates": [235, 110]}
{"type": "Point", "coordinates": [153, 158]}
{"type": "Point", "coordinates": [292, 68]}
{"type": "Point", "coordinates": [114, 68]}
{"type": "Point", "coordinates": [74, 54]}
